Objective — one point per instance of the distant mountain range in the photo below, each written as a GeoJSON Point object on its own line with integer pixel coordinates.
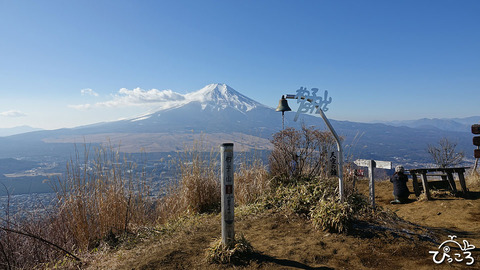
{"type": "Point", "coordinates": [16, 130]}
{"type": "Point", "coordinates": [217, 113]}
{"type": "Point", "coordinates": [447, 124]}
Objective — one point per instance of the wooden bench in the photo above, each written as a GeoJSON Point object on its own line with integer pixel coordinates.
{"type": "Point", "coordinates": [447, 179]}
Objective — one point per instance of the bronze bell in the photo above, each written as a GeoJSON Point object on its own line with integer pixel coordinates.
{"type": "Point", "coordinates": [283, 105]}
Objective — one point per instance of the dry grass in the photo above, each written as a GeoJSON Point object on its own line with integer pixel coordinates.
{"type": "Point", "coordinates": [252, 181]}
{"type": "Point", "coordinates": [472, 178]}
{"type": "Point", "coordinates": [26, 242]}
{"type": "Point", "coordinates": [238, 253]}
{"type": "Point", "coordinates": [198, 188]}
{"type": "Point", "coordinates": [101, 195]}
{"type": "Point", "coordinates": [98, 199]}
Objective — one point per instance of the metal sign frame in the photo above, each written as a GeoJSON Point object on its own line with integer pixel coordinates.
{"type": "Point", "coordinates": [318, 104]}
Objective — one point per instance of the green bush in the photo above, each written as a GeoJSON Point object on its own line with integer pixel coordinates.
{"type": "Point", "coordinates": [301, 197]}
{"type": "Point", "coordinates": [318, 200]}
{"type": "Point", "coordinates": [358, 202]}
{"type": "Point", "coordinates": [332, 216]}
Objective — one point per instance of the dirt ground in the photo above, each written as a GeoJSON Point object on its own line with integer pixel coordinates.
{"type": "Point", "coordinates": [286, 242]}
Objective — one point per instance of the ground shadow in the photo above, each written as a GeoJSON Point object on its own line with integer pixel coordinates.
{"type": "Point", "coordinates": [262, 258]}
{"type": "Point", "coordinates": [473, 195]}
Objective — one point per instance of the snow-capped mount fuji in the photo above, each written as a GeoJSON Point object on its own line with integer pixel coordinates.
{"type": "Point", "coordinates": [214, 108]}
{"type": "Point", "coordinates": [221, 96]}
{"type": "Point", "coordinates": [213, 97]}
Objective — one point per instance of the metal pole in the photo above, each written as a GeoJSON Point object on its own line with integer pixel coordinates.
{"type": "Point", "coordinates": [228, 232]}
{"type": "Point", "coordinates": [341, 186]}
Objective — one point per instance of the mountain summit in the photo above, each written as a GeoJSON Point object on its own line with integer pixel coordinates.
{"type": "Point", "coordinates": [211, 97]}
{"type": "Point", "coordinates": [220, 96]}
{"type": "Point", "coordinates": [214, 108]}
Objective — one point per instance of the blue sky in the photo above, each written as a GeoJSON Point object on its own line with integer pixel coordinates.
{"type": "Point", "coordinates": [379, 60]}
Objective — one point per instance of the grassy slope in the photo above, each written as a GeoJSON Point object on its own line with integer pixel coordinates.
{"type": "Point", "coordinates": [286, 242]}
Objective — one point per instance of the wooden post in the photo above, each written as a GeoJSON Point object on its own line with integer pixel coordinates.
{"type": "Point", "coordinates": [461, 178]}
{"type": "Point", "coordinates": [228, 232]}
{"type": "Point", "coordinates": [371, 174]}
{"type": "Point", "coordinates": [425, 185]}
{"type": "Point", "coordinates": [416, 188]}
{"type": "Point", "coordinates": [372, 164]}
{"type": "Point", "coordinates": [452, 182]}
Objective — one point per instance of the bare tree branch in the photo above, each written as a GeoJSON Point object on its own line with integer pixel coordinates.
{"type": "Point", "coordinates": [444, 154]}
{"type": "Point", "coordinates": [41, 239]}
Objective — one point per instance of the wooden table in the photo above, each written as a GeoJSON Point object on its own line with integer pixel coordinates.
{"type": "Point", "coordinates": [447, 173]}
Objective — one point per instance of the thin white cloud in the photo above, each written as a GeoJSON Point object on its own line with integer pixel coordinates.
{"type": "Point", "coordinates": [88, 91]}
{"type": "Point", "coordinates": [13, 113]}
{"type": "Point", "coordinates": [136, 97]}
{"type": "Point", "coordinates": [81, 107]}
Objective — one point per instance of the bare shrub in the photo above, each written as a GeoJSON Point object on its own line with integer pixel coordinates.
{"type": "Point", "coordinates": [33, 241]}
{"type": "Point", "coordinates": [300, 154]}
{"type": "Point", "coordinates": [444, 154]}
{"type": "Point", "coordinates": [28, 239]}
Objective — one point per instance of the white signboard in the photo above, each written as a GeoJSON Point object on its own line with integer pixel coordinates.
{"type": "Point", "coordinates": [372, 164]}
{"type": "Point", "coordinates": [377, 163]}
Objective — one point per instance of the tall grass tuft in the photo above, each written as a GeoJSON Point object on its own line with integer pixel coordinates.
{"type": "Point", "coordinates": [238, 253]}
{"type": "Point", "coordinates": [472, 178]}
{"type": "Point", "coordinates": [101, 195]}
{"type": "Point", "coordinates": [252, 181]}
{"type": "Point", "coordinates": [198, 189]}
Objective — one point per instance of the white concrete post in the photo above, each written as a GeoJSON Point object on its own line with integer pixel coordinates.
{"type": "Point", "coordinates": [228, 232]}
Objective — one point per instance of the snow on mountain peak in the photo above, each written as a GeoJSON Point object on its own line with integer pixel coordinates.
{"type": "Point", "coordinates": [215, 96]}
{"type": "Point", "coordinates": [221, 96]}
